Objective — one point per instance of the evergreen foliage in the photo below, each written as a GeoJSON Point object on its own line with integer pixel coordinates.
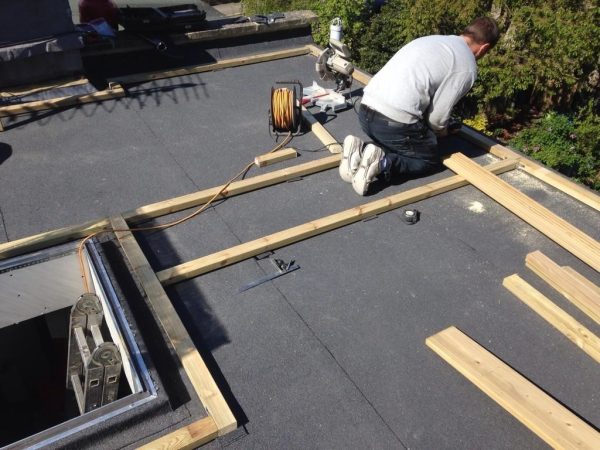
{"type": "Point", "coordinates": [567, 144]}
{"type": "Point", "coordinates": [546, 60]}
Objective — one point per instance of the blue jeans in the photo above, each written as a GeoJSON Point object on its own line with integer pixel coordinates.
{"type": "Point", "coordinates": [410, 148]}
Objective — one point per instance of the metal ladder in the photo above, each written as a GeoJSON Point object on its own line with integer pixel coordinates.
{"type": "Point", "coordinates": [93, 365]}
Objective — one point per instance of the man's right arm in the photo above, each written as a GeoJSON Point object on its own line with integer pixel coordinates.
{"type": "Point", "coordinates": [448, 94]}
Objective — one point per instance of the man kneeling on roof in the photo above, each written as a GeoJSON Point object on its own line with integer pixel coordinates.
{"type": "Point", "coordinates": [407, 105]}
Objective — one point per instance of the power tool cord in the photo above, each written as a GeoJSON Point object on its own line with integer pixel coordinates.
{"type": "Point", "coordinates": [241, 173]}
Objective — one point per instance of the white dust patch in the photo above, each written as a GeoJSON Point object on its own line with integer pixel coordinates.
{"type": "Point", "coordinates": [525, 181]}
{"type": "Point", "coordinates": [476, 207]}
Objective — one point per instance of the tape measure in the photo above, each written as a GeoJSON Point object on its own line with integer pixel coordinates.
{"type": "Point", "coordinates": [411, 216]}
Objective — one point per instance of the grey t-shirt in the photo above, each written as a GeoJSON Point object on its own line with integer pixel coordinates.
{"type": "Point", "coordinates": [423, 80]}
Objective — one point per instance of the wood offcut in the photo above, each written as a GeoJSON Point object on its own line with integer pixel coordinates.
{"type": "Point", "coordinates": [555, 316]}
{"type": "Point", "coordinates": [272, 158]}
{"type": "Point", "coordinates": [582, 296]}
{"type": "Point", "coordinates": [583, 281]}
{"type": "Point", "coordinates": [535, 409]}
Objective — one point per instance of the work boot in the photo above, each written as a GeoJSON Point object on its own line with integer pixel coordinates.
{"type": "Point", "coordinates": [351, 156]}
{"type": "Point", "coordinates": [373, 163]}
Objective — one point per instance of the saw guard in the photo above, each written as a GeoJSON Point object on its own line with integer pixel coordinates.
{"type": "Point", "coordinates": [321, 67]}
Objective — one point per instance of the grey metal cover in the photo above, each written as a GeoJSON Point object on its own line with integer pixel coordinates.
{"type": "Point", "coordinates": [25, 20]}
{"type": "Point", "coordinates": [39, 288]}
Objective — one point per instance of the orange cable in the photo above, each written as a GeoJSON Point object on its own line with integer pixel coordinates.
{"type": "Point", "coordinates": [84, 277]}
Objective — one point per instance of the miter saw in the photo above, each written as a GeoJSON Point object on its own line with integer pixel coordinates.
{"type": "Point", "coordinates": [333, 64]}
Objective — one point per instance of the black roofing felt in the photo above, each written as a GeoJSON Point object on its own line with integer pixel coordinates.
{"type": "Point", "coordinates": [332, 355]}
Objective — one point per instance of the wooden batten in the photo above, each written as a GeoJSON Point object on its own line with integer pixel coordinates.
{"type": "Point", "coordinates": [116, 91]}
{"type": "Point", "coordinates": [236, 188]}
{"type": "Point", "coordinates": [37, 87]}
{"type": "Point", "coordinates": [576, 292]}
{"type": "Point", "coordinates": [321, 132]}
{"type": "Point", "coordinates": [559, 230]}
{"type": "Point", "coordinates": [555, 316]}
{"type": "Point", "coordinates": [292, 20]}
{"type": "Point", "coordinates": [584, 283]}
{"type": "Point", "coordinates": [195, 368]}
{"type": "Point", "coordinates": [62, 235]}
{"type": "Point", "coordinates": [50, 238]}
{"type": "Point", "coordinates": [542, 414]}
{"type": "Point", "coordinates": [286, 237]}
{"type": "Point", "coordinates": [537, 170]}
{"type": "Point", "coordinates": [223, 64]}
{"type": "Point", "coordinates": [186, 438]}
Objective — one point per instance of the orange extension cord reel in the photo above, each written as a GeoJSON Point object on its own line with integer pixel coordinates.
{"type": "Point", "coordinates": [285, 114]}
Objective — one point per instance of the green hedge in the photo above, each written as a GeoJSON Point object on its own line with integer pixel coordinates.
{"type": "Point", "coordinates": [568, 144]}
